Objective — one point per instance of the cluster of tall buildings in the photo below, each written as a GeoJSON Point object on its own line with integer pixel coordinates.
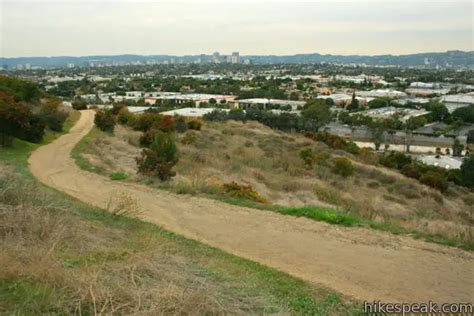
{"type": "Point", "coordinates": [234, 58]}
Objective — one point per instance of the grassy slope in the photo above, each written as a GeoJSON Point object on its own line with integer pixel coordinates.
{"type": "Point", "coordinates": [124, 265]}
{"type": "Point", "coordinates": [331, 216]}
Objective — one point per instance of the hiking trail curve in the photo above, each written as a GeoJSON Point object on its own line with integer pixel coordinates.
{"type": "Point", "coordinates": [359, 262]}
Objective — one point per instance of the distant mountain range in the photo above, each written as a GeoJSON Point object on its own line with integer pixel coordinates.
{"type": "Point", "coordinates": [448, 59]}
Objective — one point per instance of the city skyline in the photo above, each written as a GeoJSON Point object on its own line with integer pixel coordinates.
{"type": "Point", "coordinates": [366, 27]}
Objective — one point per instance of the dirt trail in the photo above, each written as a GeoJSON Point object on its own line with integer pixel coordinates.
{"type": "Point", "coordinates": [358, 262]}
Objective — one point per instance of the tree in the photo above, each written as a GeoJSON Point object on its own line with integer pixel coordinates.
{"type": "Point", "coordinates": [457, 148]}
{"type": "Point", "coordinates": [159, 159]}
{"type": "Point", "coordinates": [465, 114]}
{"type": "Point", "coordinates": [415, 122]}
{"type": "Point", "coordinates": [354, 105]}
{"type": "Point", "coordinates": [379, 102]}
{"type": "Point", "coordinates": [79, 104]}
{"type": "Point", "coordinates": [377, 130]}
{"type": "Point", "coordinates": [315, 115]}
{"type": "Point", "coordinates": [439, 112]}
{"type": "Point", "coordinates": [14, 118]}
{"type": "Point", "coordinates": [51, 116]}
{"type": "Point", "coordinates": [467, 171]}
{"type": "Point", "coordinates": [105, 120]}
{"type": "Point", "coordinates": [470, 136]}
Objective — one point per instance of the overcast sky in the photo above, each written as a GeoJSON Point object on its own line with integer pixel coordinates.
{"type": "Point", "coordinates": [106, 27]}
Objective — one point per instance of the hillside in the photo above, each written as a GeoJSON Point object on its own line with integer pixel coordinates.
{"type": "Point", "coordinates": [61, 256]}
{"type": "Point", "coordinates": [269, 161]}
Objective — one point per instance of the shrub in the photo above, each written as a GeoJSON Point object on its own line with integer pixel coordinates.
{"type": "Point", "coordinates": [166, 124]}
{"type": "Point", "coordinates": [147, 138]}
{"type": "Point", "coordinates": [411, 171]}
{"type": "Point", "coordinates": [159, 159]}
{"type": "Point", "coordinates": [105, 120]}
{"type": "Point", "coordinates": [53, 119]}
{"type": "Point", "coordinates": [395, 160]}
{"type": "Point", "coordinates": [145, 121]}
{"type": "Point", "coordinates": [14, 118]}
{"type": "Point", "coordinates": [181, 125]}
{"type": "Point", "coordinates": [435, 180]}
{"type": "Point", "coordinates": [124, 117]}
{"type": "Point", "coordinates": [34, 132]}
{"type": "Point", "coordinates": [308, 156]}
{"type": "Point", "coordinates": [467, 171]}
{"type": "Point", "coordinates": [195, 124]}
{"type": "Point", "coordinates": [331, 140]}
{"type": "Point", "coordinates": [352, 148]}
{"type": "Point", "coordinates": [189, 138]}
{"type": "Point", "coordinates": [243, 191]}
{"type": "Point", "coordinates": [343, 166]}
{"type": "Point", "coordinates": [321, 158]}
{"type": "Point", "coordinates": [79, 104]}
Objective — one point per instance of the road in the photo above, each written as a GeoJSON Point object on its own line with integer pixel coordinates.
{"type": "Point", "coordinates": [358, 262]}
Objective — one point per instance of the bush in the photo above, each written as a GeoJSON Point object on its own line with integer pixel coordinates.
{"type": "Point", "coordinates": [79, 104]}
{"type": "Point", "coordinates": [34, 132]}
{"type": "Point", "coordinates": [395, 160]}
{"type": "Point", "coordinates": [145, 121]}
{"type": "Point", "coordinates": [308, 156]}
{"type": "Point", "coordinates": [195, 124]}
{"type": "Point", "coordinates": [105, 120]}
{"type": "Point", "coordinates": [435, 180]}
{"type": "Point", "coordinates": [166, 124]}
{"type": "Point", "coordinates": [181, 125]}
{"type": "Point", "coordinates": [159, 159]}
{"type": "Point", "coordinates": [243, 191]}
{"type": "Point", "coordinates": [343, 166]}
{"type": "Point", "coordinates": [124, 117]}
{"type": "Point", "coordinates": [14, 118]}
{"type": "Point", "coordinates": [331, 140]}
{"type": "Point", "coordinates": [411, 171]}
{"type": "Point", "coordinates": [53, 119]}
{"type": "Point", "coordinates": [189, 138]}
{"type": "Point", "coordinates": [467, 171]}
{"type": "Point", "coordinates": [352, 148]}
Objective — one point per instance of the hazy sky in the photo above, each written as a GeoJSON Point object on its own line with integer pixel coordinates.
{"type": "Point", "coordinates": [86, 27]}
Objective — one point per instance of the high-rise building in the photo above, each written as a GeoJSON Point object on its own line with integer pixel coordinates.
{"type": "Point", "coordinates": [216, 59]}
{"type": "Point", "coordinates": [235, 59]}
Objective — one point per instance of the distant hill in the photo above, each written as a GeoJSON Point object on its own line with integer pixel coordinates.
{"type": "Point", "coordinates": [454, 59]}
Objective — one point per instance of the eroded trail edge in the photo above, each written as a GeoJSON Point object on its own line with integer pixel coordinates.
{"type": "Point", "coordinates": [359, 262]}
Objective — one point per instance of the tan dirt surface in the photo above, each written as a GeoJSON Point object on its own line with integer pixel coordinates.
{"type": "Point", "coordinates": [358, 262]}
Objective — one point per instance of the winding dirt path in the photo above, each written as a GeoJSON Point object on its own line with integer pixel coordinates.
{"type": "Point", "coordinates": [359, 262]}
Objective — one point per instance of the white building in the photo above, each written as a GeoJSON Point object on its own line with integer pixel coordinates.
{"type": "Point", "coordinates": [382, 93]}
{"type": "Point", "coordinates": [445, 162]}
{"type": "Point", "coordinates": [264, 103]}
{"type": "Point", "coordinates": [191, 112]}
{"type": "Point", "coordinates": [456, 101]}
{"type": "Point", "coordinates": [386, 112]}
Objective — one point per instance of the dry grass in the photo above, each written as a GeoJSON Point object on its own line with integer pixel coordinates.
{"type": "Point", "coordinates": [61, 257]}
{"type": "Point", "coordinates": [269, 161]}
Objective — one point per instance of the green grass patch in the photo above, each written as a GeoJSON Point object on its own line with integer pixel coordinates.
{"type": "Point", "coordinates": [29, 297]}
{"type": "Point", "coordinates": [118, 176]}
{"type": "Point", "coordinates": [81, 148]}
{"type": "Point", "coordinates": [347, 219]}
